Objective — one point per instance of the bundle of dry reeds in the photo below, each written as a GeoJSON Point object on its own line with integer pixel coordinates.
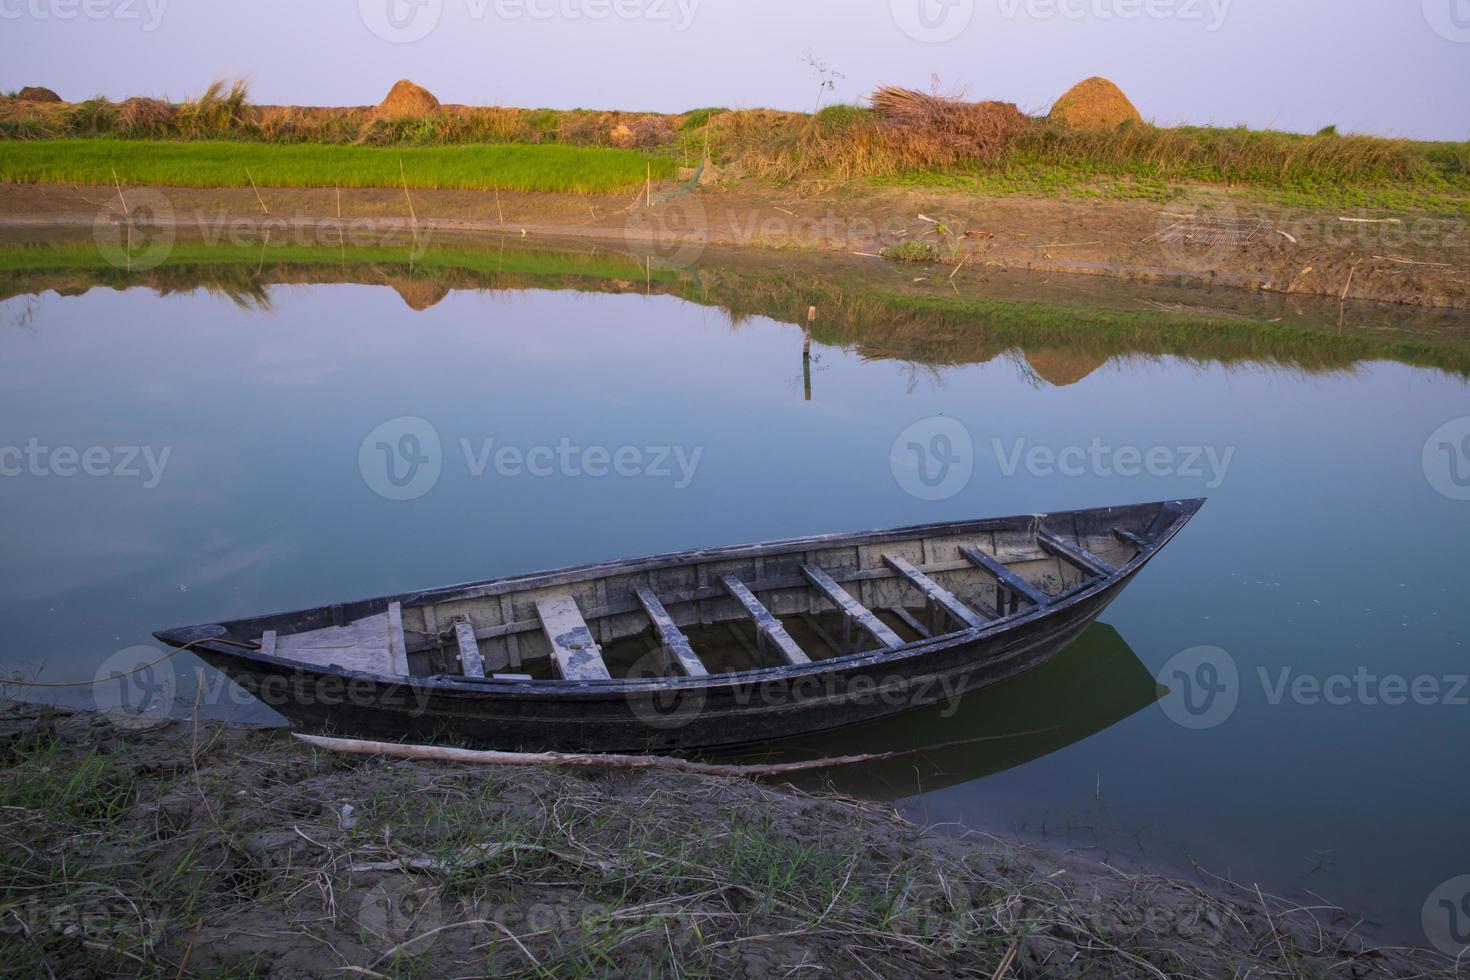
{"type": "Point", "coordinates": [940, 129]}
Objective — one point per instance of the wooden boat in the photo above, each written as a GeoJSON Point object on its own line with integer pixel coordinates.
{"type": "Point", "coordinates": [724, 646]}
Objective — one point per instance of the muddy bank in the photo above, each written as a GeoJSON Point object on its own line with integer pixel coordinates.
{"type": "Point", "coordinates": [1203, 236]}
{"type": "Point", "coordinates": [198, 849]}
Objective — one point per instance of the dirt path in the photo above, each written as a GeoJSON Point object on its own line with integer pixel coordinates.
{"type": "Point", "coordinates": [1203, 237]}
{"type": "Point", "coordinates": [191, 849]}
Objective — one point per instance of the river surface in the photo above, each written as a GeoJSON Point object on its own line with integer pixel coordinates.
{"type": "Point", "coordinates": [185, 451]}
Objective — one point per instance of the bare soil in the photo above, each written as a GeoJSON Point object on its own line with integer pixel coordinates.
{"type": "Point", "coordinates": [198, 849]}
{"type": "Point", "coordinates": [1207, 237]}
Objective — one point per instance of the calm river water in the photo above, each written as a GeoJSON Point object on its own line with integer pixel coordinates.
{"type": "Point", "coordinates": [175, 454]}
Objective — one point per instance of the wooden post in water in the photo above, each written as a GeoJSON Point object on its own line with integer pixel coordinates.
{"type": "Point", "coordinates": [806, 351]}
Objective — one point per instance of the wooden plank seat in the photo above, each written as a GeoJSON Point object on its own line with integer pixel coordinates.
{"type": "Point", "coordinates": [767, 626]}
{"type": "Point", "coordinates": [372, 645]}
{"type": "Point", "coordinates": [935, 594]}
{"type": "Point", "coordinates": [1007, 582]}
{"type": "Point", "coordinates": [576, 654]}
{"type": "Point", "coordinates": [852, 611]}
{"type": "Point", "coordinates": [472, 664]}
{"type": "Point", "coordinates": [675, 644]}
{"type": "Point", "coordinates": [1075, 555]}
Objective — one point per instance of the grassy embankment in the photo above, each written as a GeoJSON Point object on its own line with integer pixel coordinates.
{"type": "Point", "coordinates": [840, 143]}
{"type": "Point", "coordinates": [206, 851]}
{"type": "Point", "coordinates": [882, 319]}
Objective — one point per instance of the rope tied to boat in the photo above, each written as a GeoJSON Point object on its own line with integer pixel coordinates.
{"type": "Point", "coordinates": [127, 673]}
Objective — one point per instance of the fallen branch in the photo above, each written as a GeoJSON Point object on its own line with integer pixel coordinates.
{"type": "Point", "coordinates": [444, 753]}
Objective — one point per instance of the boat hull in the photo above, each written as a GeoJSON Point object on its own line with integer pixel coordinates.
{"type": "Point", "coordinates": [685, 714]}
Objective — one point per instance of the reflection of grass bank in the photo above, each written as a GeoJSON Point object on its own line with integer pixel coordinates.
{"type": "Point", "coordinates": [879, 318]}
{"type": "Point", "coordinates": [208, 851]}
{"type": "Point", "coordinates": [506, 167]}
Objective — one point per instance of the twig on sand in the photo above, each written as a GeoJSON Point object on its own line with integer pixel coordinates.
{"type": "Point", "coordinates": [257, 191]}
{"type": "Point", "coordinates": [189, 950]}
{"type": "Point", "coordinates": [1437, 265]}
{"type": "Point", "coordinates": [120, 193]}
{"type": "Point", "coordinates": [957, 268]}
{"type": "Point", "coordinates": [403, 175]}
{"type": "Point", "coordinates": [500, 214]}
{"type": "Point", "coordinates": [457, 925]}
{"type": "Point", "coordinates": [1351, 272]}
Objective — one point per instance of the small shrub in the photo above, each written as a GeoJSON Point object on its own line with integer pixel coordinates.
{"type": "Point", "coordinates": [913, 250]}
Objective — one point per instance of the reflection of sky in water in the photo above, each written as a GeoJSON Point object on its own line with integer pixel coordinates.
{"type": "Point", "coordinates": [1324, 549]}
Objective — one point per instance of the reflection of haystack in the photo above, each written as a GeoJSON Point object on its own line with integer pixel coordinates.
{"type": "Point", "coordinates": [419, 294]}
{"type": "Point", "coordinates": [1064, 367]}
{"type": "Point", "coordinates": [407, 101]}
{"type": "Point", "coordinates": [1095, 103]}
{"type": "Point", "coordinates": [37, 93]}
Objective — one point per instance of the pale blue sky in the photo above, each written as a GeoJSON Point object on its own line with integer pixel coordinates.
{"type": "Point", "coordinates": [1396, 67]}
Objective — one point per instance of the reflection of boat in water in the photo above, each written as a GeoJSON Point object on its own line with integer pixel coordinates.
{"type": "Point", "coordinates": [1092, 685]}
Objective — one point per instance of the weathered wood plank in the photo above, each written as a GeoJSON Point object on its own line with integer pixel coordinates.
{"type": "Point", "coordinates": [767, 626]}
{"type": "Point", "coordinates": [577, 655]}
{"type": "Point", "coordinates": [469, 650]}
{"type": "Point", "coordinates": [675, 643]}
{"type": "Point", "coordinates": [851, 607]}
{"type": "Point", "coordinates": [1076, 556]}
{"type": "Point", "coordinates": [397, 642]}
{"type": "Point", "coordinates": [1130, 538]}
{"type": "Point", "coordinates": [935, 592]}
{"type": "Point", "coordinates": [910, 621]}
{"type": "Point", "coordinates": [1009, 579]}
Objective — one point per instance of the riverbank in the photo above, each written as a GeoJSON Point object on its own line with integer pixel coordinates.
{"type": "Point", "coordinates": [196, 849]}
{"type": "Point", "coordinates": [1203, 237]}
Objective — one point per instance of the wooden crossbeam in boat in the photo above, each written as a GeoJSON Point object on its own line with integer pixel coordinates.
{"type": "Point", "coordinates": [397, 642]}
{"type": "Point", "coordinates": [675, 643]}
{"type": "Point", "coordinates": [1075, 555]}
{"type": "Point", "coordinates": [1006, 578]}
{"type": "Point", "coordinates": [268, 643]}
{"type": "Point", "coordinates": [910, 621]}
{"type": "Point", "coordinates": [472, 663]}
{"type": "Point", "coordinates": [577, 655]}
{"type": "Point", "coordinates": [852, 610]}
{"type": "Point", "coordinates": [767, 626]}
{"type": "Point", "coordinates": [1130, 538]}
{"type": "Point", "coordinates": [935, 593]}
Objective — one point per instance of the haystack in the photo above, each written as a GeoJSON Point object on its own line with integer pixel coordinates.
{"type": "Point", "coordinates": [1064, 367]}
{"type": "Point", "coordinates": [418, 294]}
{"type": "Point", "coordinates": [37, 93]}
{"type": "Point", "coordinates": [1095, 104]}
{"type": "Point", "coordinates": [407, 101]}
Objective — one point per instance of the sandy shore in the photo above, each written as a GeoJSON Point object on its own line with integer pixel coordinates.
{"type": "Point", "coordinates": [195, 849]}
{"type": "Point", "coordinates": [1204, 236]}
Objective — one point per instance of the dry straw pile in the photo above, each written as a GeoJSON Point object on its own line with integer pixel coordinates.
{"type": "Point", "coordinates": [942, 130]}
{"type": "Point", "coordinates": [1095, 103]}
{"type": "Point", "coordinates": [406, 100]}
